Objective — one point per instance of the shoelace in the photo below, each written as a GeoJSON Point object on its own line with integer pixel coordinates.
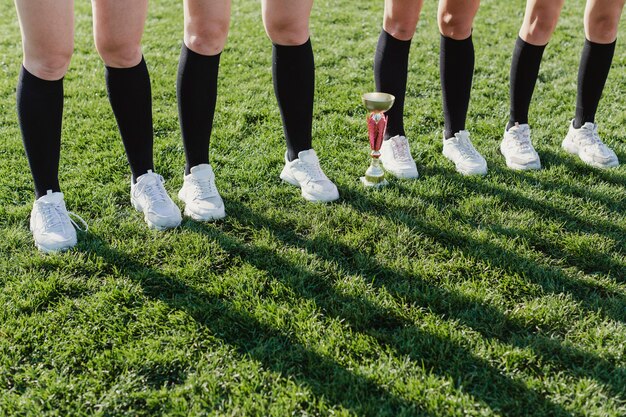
{"type": "Point", "coordinates": [466, 149]}
{"type": "Point", "coordinates": [53, 214]}
{"type": "Point", "coordinates": [156, 192]}
{"type": "Point", "coordinates": [401, 150]}
{"type": "Point", "coordinates": [80, 219]}
{"type": "Point", "coordinates": [521, 138]}
{"type": "Point", "coordinates": [590, 137]}
{"type": "Point", "coordinates": [204, 189]}
{"type": "Point", "coordinates": [315, 171]}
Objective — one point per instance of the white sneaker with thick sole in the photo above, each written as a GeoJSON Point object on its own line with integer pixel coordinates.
{"type": "Point", "coordinates": [586, 143]}
{"type": "Point", "coordinates": [51, 225]}
{"type": "Point", "coordinates": [518, 150]}
{"type": "Point", "coordinates": [148, 195]}
{"type": "Point", "coordinates": [395, 155]}
{"type": "Point", "coordinates": [305, 172]}
{"type": "Point", "coordinates": [200, 195]}
{"type": "Point", "coordinates": [467, 160]}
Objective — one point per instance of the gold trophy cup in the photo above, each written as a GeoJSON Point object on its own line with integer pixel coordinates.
{"type": "Point", "coordinates": [376, 104]}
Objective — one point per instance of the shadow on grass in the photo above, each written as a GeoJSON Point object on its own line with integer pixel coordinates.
{"type": "Point", "coordinates": [548, 277]}
{"type": "Point", "coordinates": [443, 357]}
{"type": "Point", "coordinates": [280, 352]}
{"type": "Point", "coordinates": [610, 177]}
{"type": "Point", "coordinates": [385, 325]}
{"type": "Point", "coordinates": [276, 350]}
{"type": "Point", "coordinates": [576, 166]}
{"type": "Point", "coordinates": [591, 262]}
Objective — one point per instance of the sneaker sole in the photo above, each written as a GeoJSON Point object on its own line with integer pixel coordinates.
{"type": "Point", "coordinates": [220, 214]}
{"type": "Point", "coordinates": [570, 148]}
{"type": "Point", "coordinates": [44, 249]}
{"type": "Point", "coordinates": [308, 197]}
{"type": "Point", "coordinates": [151, 224]}
{"type": "Point", "coordinates": [533, 166]}
{"type": "Point", "coordinates": [520, 167]}
{"type": "Point", "coordinates": [466, 172]}
{"type": "Point", "coordinates": [401, 174]}
{"type": "Point", "coordinates": [404, 176]}
{"type": "Point", "coordinates": [471, 173]}
{"type": "Point", "coordinates": [463, 171]}
{"type": "Point", "coordinates": [197, 217]}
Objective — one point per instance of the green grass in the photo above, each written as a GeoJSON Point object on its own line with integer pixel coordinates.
{"type": "Point", "coordinates": [503, 295]}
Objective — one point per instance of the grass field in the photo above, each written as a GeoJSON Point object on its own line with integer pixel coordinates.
{"type": "Point", "coordinates": [503, 295]}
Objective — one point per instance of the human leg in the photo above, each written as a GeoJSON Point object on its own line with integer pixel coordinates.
{"type": "Point", "coordinates": [48, 41]}
{"type": "Point", "coordinates": [293, 69]}
{"type": "Point", "coordinates": [456, 66]}
{"type": "Point", "coordinates": [601, 25]}
{"type": "Point", "coordinates": [118, 28]}
{"type": "Point", "coordinates": [206, 30]}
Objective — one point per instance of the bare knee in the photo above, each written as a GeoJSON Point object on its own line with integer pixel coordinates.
{"type": "Point", "coordinates": [51, 66]}
{"type": "Point", "coordinates": [538, 27]}
{"type": "Point", "coordinates": [287, 33]}
{"type": "Point", "coordinates": [206, 38]}
{"type": "Point", "coordinates": [602, 27]}
{"type": "Point", "coordinates": [400, 28]}
{"type": "Point", "coordinates": [455, 26]}
{"type": "Point", "coordinates": [118, 53]}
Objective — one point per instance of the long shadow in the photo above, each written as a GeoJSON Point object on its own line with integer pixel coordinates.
{"type": "Point", "coordinates": [550, 278]}
{"type": "Point", "coordinates": [275, 349]}
{"type": "Point", "coordinates": [249, 336]}
{"type": "Point", "coordinates": [617, 205]}
{"type": "Point", "coordinates": [542, 208]}
{"type": "Point", "coordinates": [515, 200]}
{"type": "Point", "coordinates": [590, 260]}
{"type": "Point", "coordinates": [577, 167]}
{"type": "Point", "coordinates": [443, 357]}
{"type": "Point", "coordinates": [410, 287]}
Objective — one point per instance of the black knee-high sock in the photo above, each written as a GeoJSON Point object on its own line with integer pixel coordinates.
{"type": "Point", "coordinates": [131, 100]}
{"type": "Point", "coordinates": [293, 70]}
{"type": "Point", "coordinates": [391, 63]}
{"type": "Point", "coordinates": [197, 93]}
{"type": "Point", "coordinates": [40, 113]}
{"type": "Point", "coordinates": [593, 71]}
{"type": "Point", "coordinates": [524, 71]}
{"type": "Point", "coordinates": [456, 66]}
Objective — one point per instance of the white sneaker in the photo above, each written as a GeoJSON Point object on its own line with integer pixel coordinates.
{"type": "Point", "coordinates": [201, 198]}
{"type": "Point", "coordinates": [149, 196]}
{"type": "Point", "coordinates": [466, 158]}
{"type": "Point", "coordinates": [51, 225]}
{"type": "Point", "coordinates": [306, 173]}
{"type": "Point", "coordinates": [585, 142]}
{"type": "Point", "coordinates": [396, 157]}
{"type": "Point", "coordinates": [518, 149]}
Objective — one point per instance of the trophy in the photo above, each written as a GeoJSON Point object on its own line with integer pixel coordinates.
{"type": "Point", "coordinates": [376, 104]}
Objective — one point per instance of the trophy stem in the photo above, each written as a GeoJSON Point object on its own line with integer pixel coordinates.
{"type": "Point", "coordinates": [377, 104]}
{"type": "Point", "coordinates": [375, 175]}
